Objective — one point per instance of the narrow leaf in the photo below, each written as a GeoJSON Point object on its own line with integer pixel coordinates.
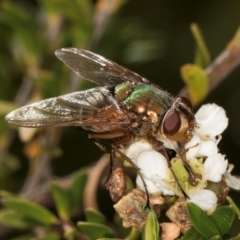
{"type": "Point", "coordinates": [24, 237]}
{"type": "Point", "coordinates": [223, 218]}
{"type": "Point", "coordinates": [62, 200]}
{"type": "Point", "coordinates": [192, 234]}
{"type": "Point", "coordinates": [77, 188]}
{"type": "Point", "coordinates": [109, 239]}
{"type": "Point", "coordinates": [94, 216]}
{"type": "Point", "coordinates": [31, 210]}
{"type": "Point", "coordinates": [151, 228]}
{"type": "Point", "coordinates": [94, 230]}
{"type": "Point", "coordinates": [217, 237]}
{"type": "Point", "coordinates": [201, 222]}
{"type": "Point", "coordinates": [235, 42]}
{"type": "Point", "coordinates": [13, 219]}
{"type": "Point", "coordinates": [202, 57]}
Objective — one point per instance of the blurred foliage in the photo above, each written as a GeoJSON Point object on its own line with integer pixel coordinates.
{"type": "Point", "coordinates": [151, 37]}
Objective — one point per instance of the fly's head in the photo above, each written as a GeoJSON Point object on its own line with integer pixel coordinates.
{"type": "Point", "coordinates": [178, 122]}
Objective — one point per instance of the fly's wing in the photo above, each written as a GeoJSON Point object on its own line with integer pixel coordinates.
{"type": "Point", "coordinates": [94, 109]}
{"type": "Point", "coordinates": [96, 68]}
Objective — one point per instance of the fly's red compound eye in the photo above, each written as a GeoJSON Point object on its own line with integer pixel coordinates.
{"type": "Point", "coordinates": [171, 122]}
{"type": "Point", "coordinates": [185, 101]}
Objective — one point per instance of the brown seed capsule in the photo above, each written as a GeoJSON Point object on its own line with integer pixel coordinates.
{"type": "Point", "coordinates": [116, 184]}
{"type": "Point", "coordinates": [131, 208]}
{"type": "Point", "coordinates": [178, 215]}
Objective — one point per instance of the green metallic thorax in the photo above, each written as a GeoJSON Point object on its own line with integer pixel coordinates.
{"type": "Point", "coordinates": [143, 99]}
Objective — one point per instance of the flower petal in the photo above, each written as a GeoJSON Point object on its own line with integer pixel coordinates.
{"type": "Point", "coordinates": [204, 198]}
{"type": "Point", "coordinates": [165, 188]}
{"type": "Point", "coordinates": [151, 187]}
{"type": "Point", "coordinates": [212, 121]}
{"type": "Point", "coordinates": [193, 147]}
{"type": "Point", "coordinates": [137, 147]}
{"type": "Point", "coordinates": [214, 167]}
{"type": "Point", "coordinates": [207, 148]}
{"type": "Point", "coordinates": [153, 165]}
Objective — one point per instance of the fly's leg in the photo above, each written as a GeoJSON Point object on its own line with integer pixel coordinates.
{"type": "Point", "coordinates": [173, 173]}
{"type": "Point", "coordinates": [109, 135]}
{"type": "Point", "coordinates": [158, 146]}
{"type": "Point", "coordinates": [123, 139]}
{"type": "Point", "coordinates": [100, 146]}
{"type": "Point", "coordinates": [193, 177]}
{"type": "Point", "coordinates": [137, 169]}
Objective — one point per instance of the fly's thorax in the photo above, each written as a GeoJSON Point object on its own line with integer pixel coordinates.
{"type": "Point", "coordinates": [178, 122]}
{"type": "Point", "coordinates": [123, 90]}
{"type": "Point", "coordinates": [146, 100]}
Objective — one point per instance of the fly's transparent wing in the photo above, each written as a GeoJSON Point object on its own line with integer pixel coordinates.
{"type": "Point", "coordinates": [94, 109]}
{"type": "Point", "coordinates": [96, 68]}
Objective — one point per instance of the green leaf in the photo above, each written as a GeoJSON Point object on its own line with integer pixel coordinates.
{"type": "Point", "coordinates": [216, 238]}
{"type": "Point", "coordinates": [223, 218]}
{"type": "Point", "coordinates": [23, 26]}
{"type": "Point", "coordinates": [94, 230]}
{"type": "Point", "coordinates": [80, 13]}
{"type": "Point", "coordinates": [192, 234]}
{"type": "Point", "coordinates": [77, 188]}
{"type": "Point", "coordinates": [202, 223]}
{"type": "Point", "coordinates": [109, 238]}
{"type": "Point", "coordinates": [197, 82]}
{"type": "Point", "coordinates": [12, 219]}
{"type": "Point", "coordinates": [62, 200]}
{"type": "Point", "coordinates": [202, 55]}
{"type": "Point", "coordinates": [94, 216]}
{"type": "Point", "coordinates": [235, 41]}
{"type": "Point", "coordinates": [24, 237]}
{"type": "Point", "coordinates": [151, 228]}
{"type": "Point", "coordinates": [37, 213]}
{"type": "Point", "coordinates": [9, 163]}
{"type": "Point", "coordinates": [48, 236]}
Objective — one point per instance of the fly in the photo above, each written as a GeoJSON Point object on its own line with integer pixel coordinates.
{"type": "Point", "coordinates": [124, 106]}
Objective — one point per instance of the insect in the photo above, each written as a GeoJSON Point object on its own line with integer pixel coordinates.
{"type": "Point", "coordinates": [123, 107]}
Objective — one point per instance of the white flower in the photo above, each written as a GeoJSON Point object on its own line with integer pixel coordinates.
{"type": "Point", "coordinates": [165, 188]}
{"type": "Point", "coordinates": [167, 143]}
{"type": "Point", "coordinates": [232, 181]}
{"type": "Point", "coordinates": [151, 187]}
{"type": "Point", "coordinates": [207, 148]}
{"type": "Point", "coordinates": [159, 188]}
{"type": "Point", "coordinates": [136, 148]}
{"type": "Point", "coordinates": [154, 168]}
{"type": "Point", "coordinates": [153, 165]}
{"type": "Point", "coordinates": [212, 121]}
{"type": "Point", "coordinates": [193, 147]}
{"type": "Point", "coordinates": [204, 198]}
{"type": "Point", "coordinates": [199, 148]}
{"type": "Point", "coordinates": [214, 167]}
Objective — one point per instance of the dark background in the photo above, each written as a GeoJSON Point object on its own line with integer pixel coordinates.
{"type": "Point", "coordinates": [152, 38]}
